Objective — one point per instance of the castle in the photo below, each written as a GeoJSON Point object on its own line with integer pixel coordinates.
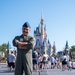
{"type": "Point", "coordinates": [42, 42]}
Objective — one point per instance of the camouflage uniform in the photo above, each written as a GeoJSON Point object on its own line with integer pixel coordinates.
{"type": "Point", "coordinates": [24, 57]}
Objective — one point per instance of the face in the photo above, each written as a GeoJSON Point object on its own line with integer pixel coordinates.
{"type": "Point", "coordinates": [25, 31]}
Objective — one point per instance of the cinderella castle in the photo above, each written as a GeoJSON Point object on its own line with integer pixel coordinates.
{"type": "Point", "coordinates": [42, 42]}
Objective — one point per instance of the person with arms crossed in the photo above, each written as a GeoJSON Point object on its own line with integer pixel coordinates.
{"type": "Point", "coordinates": [25, 45]}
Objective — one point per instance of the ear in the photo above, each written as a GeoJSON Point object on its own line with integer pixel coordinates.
{"type": "Point", "coordinates": [29, 29]}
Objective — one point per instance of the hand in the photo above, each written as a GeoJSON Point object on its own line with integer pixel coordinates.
{"type": "Point", "coordinates": [21, 45]}
{"type": "Point", "coordinates": [16, 41]}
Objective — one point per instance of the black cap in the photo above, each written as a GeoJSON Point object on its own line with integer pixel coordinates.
{"type": "Point", "coordinates": [26, 24]}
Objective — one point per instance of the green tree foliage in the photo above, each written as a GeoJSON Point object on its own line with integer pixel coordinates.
{"type": "Point", "coordinates": [3, 48]}
{"type": "Point", "coordinates": [71, 50]}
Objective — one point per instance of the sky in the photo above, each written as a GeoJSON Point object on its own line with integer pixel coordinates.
{"type": "Point", "coordinates": [59, 18]}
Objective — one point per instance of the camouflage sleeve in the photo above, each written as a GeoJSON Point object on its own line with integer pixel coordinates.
{"type": "Point", "coordinates": [14, 41]}
{"type": "Point", "coordinates": [31, 43]}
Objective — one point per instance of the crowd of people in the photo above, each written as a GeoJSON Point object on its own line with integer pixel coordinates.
{"type": "Point", "coordinates": [43, 61]}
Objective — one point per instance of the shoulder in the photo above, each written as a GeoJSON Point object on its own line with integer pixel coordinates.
{"type": "Point", "coordinates": [31, 38]}
{"type": "Point", "coordinates": [14, 55]}
{"type": "Point", "coordinates": [16, 37]}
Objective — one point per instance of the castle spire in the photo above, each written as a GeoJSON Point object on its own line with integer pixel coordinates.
{"type": "Point", "coordinates": [66, 50]}
{"type": "Point", "coordinates": [66, 44]}
{"type": "Point", "coordinates": [42, 20]}
{"type": "Point", "coordinates": [42, 28]}
{"type": "Point", "coordinates": [54, 48]}
{"type": "Point", "coordinates": [8, 45]}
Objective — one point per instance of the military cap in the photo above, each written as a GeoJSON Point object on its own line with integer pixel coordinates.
{"type": "Point", "coordinates": [26, 24]}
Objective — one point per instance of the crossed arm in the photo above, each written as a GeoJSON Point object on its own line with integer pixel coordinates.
{"type": "Point", "coordinates": [22, 45]}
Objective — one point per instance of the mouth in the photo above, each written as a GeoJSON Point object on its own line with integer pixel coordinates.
{"type": "Point", "coordinates": [25, 32]}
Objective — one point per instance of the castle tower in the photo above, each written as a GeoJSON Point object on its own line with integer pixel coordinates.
{"type": "Point", "coordinates": [45, 34]}
{"type": "Point", "coordinates": [42, 29]}
{"type": "Point", "coordinates": [42, 43]}
{"type": "Point", "coordinates": [54, 48]}
{"type": "Point", "coordinates": [49, 48]}
{"type": "Point", "coordinates": [66, 48]}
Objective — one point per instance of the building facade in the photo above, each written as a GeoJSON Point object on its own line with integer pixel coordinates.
{"type": "Point", "coordinates": [42, 41]}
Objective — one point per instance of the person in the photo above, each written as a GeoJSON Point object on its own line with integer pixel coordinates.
{"type": "Point", "coordinates": [64, 62]}
{"type": "Point", "coordinates": [69, 64]}
{"type": "Point", "coordinates": [12, 59]}
{"type": "Point", "coordinates": [34, 55]}
{"type": "Point", "coordinates": [52, 59]}
{"type": "Point", "coordinates": [25, 44]}
{"type": "Point", "coordinates": [45, 61]}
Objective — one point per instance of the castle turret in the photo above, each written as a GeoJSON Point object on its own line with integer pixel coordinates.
{"type": "Point", "coordinates": [66, 48]}
{"type": "Point", "coordinates": [54, 48]}
{"type": "Point", "coordinates": [49, 48]}
{"type": "Point", "coordinates": [34, 31]}
{"type": "Point", "coordinates": [45, 34]}
{"type": "Point", "coordinates": [39, 29]}
{"type": "Point", "coordinates": [42, 29]}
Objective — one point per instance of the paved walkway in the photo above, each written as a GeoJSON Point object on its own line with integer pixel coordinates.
{"type": "Point", "coordinates": [4, 71]}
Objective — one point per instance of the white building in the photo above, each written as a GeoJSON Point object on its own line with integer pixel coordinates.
{"type": "Point", "coordinates": [42, 42]}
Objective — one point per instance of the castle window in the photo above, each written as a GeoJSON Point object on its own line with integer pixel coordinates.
{"type": "Point", "coordinates": [37, 42]}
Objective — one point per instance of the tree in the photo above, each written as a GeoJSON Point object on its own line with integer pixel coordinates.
{"type": "Point", "coordinates": [3, 48]}
{"type": "Point", "coordinates": [72, 49]}
{"type": "Point", "coordinates": [0, 48]}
